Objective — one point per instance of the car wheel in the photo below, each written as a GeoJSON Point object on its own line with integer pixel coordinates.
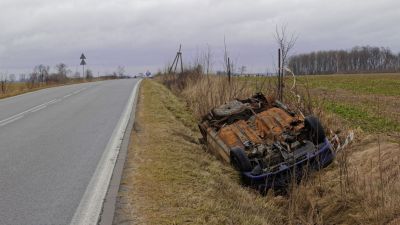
{"type": "Point", "coordinates": [239, 160]}
{"type": "Point", "coordinates": [229, 109]}
{"type": "Point", "coordinates": [317, 133]}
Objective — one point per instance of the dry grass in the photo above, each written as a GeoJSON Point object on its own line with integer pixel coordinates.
{"type": "Point", "coordinates": [363, 184]}
{"type": "Point", "coordinates": [374, 177]}
{"type": "Point", "coordinates": [203, 92]}
{"type": "Point", "coordinates": [361, 187]}
{"type": "Point", "coordinates": [169, 179]}
{"type": "Point", "coordinates": [14, 89]}
{"type": "Point", "coordinates": [18, 88]}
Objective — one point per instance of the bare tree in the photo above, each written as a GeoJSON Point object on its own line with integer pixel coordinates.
{"type": "Point", "coordinates": [226, 57]}
{"type": "Point", "coordinates": [77, 75]}
{"type": "Point", "coordinates": [285, 41]}
{"type": "Point", "coordinates": [203, 60]}
{"type": "Point", "coordinates": [228, 62]}
{"type": "Point", "coordinates": [62, 69]}
{"type": "Point", "coordinates": [42, 71]}
{"type": "Point", "coordinates": [365, 59]}
{"type": "Point", "coordinates": [89, 74]}
{"type": "Point", "coordinates": [61, 75]}
{"type": "Point", "coordinates": [33, 78]}
{"type": "Point", "coordinates": [11, 78]}
{"type": "Point", "coordinates": [208, 60]}
{"type": "Point", "coordinates": [22, 77]}
{"type": "Point", "coordinates": [121, 71]}
{"type": "Point", "coordinates": [242, 70]}
{"type": "Point", "coordinates": [3, 83]}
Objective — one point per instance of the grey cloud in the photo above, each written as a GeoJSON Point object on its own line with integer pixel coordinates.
{"type": "Point", "coordinates": [141, 34]}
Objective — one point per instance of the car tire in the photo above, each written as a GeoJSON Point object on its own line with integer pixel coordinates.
{"type": "Point", "coordinates": [239, 160]}
{"type": "Point", "coordinates": [229, 109]}
{"type": "Point", "coordinates": [317, 133]}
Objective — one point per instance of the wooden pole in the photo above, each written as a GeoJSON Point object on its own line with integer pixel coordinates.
{"type": "Point", "coordinates": [173, 63]}
{"type": "Point", "coordinates": [180, 55]}
{"type": "Point", "coordinates": [229, 70]}
{"type": "Point", "coordinates": [282, 74]}
{"type": "Point", "coordinates": [279, 76]}
{"type": "Point", "coordinates": [176, 64]}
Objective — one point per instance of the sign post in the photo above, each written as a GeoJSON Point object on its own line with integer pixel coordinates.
{"type": "Point", "coordinates": [83, 63]}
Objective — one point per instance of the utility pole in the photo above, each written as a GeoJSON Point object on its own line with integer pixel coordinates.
{"type": "Point", "coordinates": [229, 70]}
{"type": "Point", "coordinates": [178, 58]}
{"type": "Point", "coordinates": [280, 76]}
{"type": "Point", "coordinates": [83, 63]}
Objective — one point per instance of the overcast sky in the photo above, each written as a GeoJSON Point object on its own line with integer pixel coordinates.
{"type": "Point", "coordinates": [145, 34]}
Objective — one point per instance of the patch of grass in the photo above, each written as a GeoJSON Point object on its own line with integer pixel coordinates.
{"type": "Point", "coordinates": [360, 118]}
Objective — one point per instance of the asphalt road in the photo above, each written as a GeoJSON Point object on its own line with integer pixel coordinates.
{"type": "Point", "coordinates": [51, 142]}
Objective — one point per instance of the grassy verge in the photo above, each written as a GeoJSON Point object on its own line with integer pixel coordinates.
{"type": "Point", "coordinates": [170, 179]}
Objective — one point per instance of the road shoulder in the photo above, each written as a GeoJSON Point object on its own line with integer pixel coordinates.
{"type": "Point", "coordinates": [168, 178]}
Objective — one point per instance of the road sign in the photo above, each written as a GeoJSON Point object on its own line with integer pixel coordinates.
{"type": "Point", "coordinates": [83, 63]}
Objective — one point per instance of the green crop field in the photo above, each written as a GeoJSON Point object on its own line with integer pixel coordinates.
{"type": "Point", "coordinates": [367, 101]}
{"type": "Point", "coordinates": [384, 84]}
{"type": "Point", "coordinates": [370, 102]}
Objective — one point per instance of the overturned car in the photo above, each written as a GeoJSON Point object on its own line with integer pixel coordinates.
{"type": "Point", "coordinates": [266, 141]}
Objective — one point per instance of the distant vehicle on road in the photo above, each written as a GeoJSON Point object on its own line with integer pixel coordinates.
{"type": "Point", "coordinates": [142, 75]}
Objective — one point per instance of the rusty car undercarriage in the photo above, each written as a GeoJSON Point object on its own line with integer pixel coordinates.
{"type": "Point", "coordinates": [266, 141]}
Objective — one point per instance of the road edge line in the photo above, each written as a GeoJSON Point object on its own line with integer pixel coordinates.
{"type": "Point", "coordinates": [109, 207]}
{"type": "Point", "coordinates": [91, 204]}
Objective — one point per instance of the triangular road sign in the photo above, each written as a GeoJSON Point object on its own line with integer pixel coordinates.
{"type": "Point", "coordinates": [83, 56]}
{"type": "Point", "coordinates": [83, 62]}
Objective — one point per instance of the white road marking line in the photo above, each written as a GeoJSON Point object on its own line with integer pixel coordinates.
{"type": "Point", "coordinates": [36, 108]}
{"type": "Point", "coordinates": [10, 121]}
{"type": "Point", "coordinates": [40, 108]}
{"type": "Point", "coordinates": [45, 89]}
{"type": "Point", "coordinates": [51, 102]}
{"type": "Point", "coordinates": [10, 118]}
{"type": "Point", "coordinates": [27, 111]}
{"type": "Point", "coordinates": [74, 93]}
{"type": "Point", "coordinates": [91, 204]}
